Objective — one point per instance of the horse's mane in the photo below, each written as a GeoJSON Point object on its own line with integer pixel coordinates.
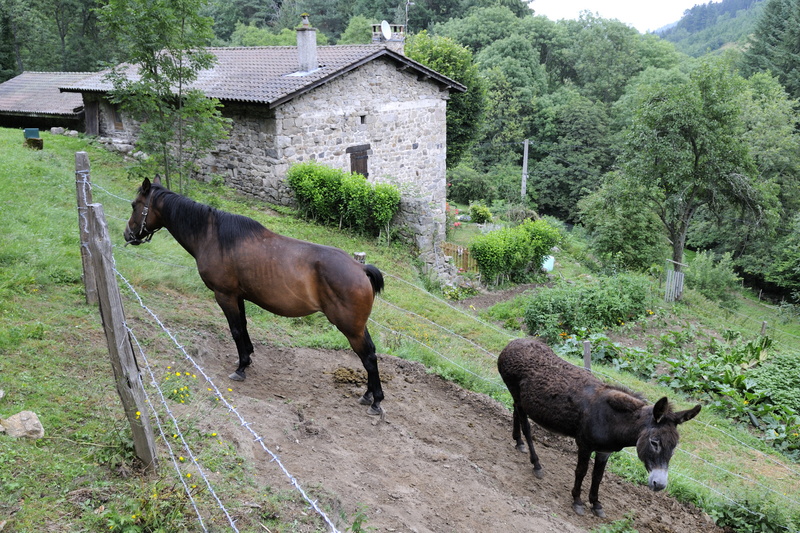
{"type": "Point", "coordinates": [190, 218]}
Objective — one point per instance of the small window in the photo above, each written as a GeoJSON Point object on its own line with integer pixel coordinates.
{"type": "Point", "coordinates": [359, 157]}
{"type": "Point", "coordinates": [363, 119]}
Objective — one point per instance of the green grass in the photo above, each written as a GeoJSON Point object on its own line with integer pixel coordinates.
{"type": "Point", "coordinates": [53, 361]}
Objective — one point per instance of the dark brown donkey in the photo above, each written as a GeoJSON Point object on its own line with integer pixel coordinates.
{"type": "Point", "coordinates": [239, 259]}
{"type": "Point", "coordinates": [569, 400]}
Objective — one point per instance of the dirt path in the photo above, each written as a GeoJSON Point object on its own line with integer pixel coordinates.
{"type": "Point", "coordinates": [443, 461]}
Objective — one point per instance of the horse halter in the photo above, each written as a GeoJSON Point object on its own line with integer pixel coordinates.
{"type": "Point", "coordinates": [148, 234]}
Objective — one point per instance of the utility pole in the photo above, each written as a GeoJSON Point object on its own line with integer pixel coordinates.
{"type": "Point", "coordinates": [525, 171]}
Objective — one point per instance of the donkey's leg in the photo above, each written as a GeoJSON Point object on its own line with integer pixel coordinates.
{"type": "Point", "coordinates": [584, 455]}
{"type": "Point", "coordinates": [600, 460]}
{"type": "Point", "coordinates": [521, 418]}
{"type": "Point", "coordinates": [233, 307]}
{"type": "Point", "coordinates": [516, 433]}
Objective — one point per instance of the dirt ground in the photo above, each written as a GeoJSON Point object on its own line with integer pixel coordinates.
{"type": "Point", "coordinates": [442, 461]}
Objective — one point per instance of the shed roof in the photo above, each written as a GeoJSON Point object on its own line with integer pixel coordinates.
{"type": "Point", "coordinates": [269, 74]}
{"type": "Point", "coordinates": [36, 93]}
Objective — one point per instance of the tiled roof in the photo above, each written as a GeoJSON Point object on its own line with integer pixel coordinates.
{"type": "Point", "coordinates": [268, 74]}
{"type": "Point", "coordinates": [37, 93]}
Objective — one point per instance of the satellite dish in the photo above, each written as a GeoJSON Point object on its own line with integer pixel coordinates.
{"type": "Point", "coordinates": [386, 30]}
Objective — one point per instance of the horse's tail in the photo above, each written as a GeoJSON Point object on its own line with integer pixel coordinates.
{"type": "Point", "coordinates": [375, 277]}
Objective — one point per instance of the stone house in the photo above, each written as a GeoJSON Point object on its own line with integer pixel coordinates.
{"type": "Point", "coordinates": [361, 108]}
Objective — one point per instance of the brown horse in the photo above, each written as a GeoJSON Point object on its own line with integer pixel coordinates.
{"type": "Point", "coordinates": [239, 259]}
{"type": "Point", "coordinates": [569, 400]}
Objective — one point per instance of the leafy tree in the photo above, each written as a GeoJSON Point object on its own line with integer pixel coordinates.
{"type": "Point", "coordinates": [784, 271]}
{"type": "Point", "coordinates": [714, 278]}
{"type": "Point", "coordinates": [755, 238]}
{"type": "Point", "coordinates": [625, 107]}
{"type": "Point", "coordinates": [32, 47]}
{"type": "Point", "coordinates": [503, 129]}
{"type": "Point", "coordinates": [329, 16]}
{"type": "Point", "coordinates": [464, 110]}
{"type": "Point", "coordinates": [251, 35]}
{"type": "Point", "coordinates": [165, 45]}
{"type": "Point", "coordinates": [551, 41]}
{"type": "Point", "coordinates": [623, 234]}
{"type": "Point", "coordinates": [515, 57]}
{"type": "Point", "coordinates": [571, 151]}
{"type": "Point", "coordinates": [774, 45]}
{"type": "Point", "coordinates": [51, 35]}
{"type": "Point", "coordinates": [390, 10]}
{"type": "Point", "coordinates": [424, 14]}
{"type": "Point", "coordinates": [605, 56]}
{"type": "Point", "coordinates": [358, 31]}
{"type": "Point", "coordinates": [685, 148]}
{"type": "Point", "coordinates": [481, 27]}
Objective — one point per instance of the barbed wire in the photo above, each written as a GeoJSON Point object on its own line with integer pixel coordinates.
{"type": "Point", "coordinates": [257, 438]}
{"type": "Point", "coordinates": [178, 432]}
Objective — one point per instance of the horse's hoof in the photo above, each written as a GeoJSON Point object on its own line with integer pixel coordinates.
{"type": "Point", "coordinates": [597, 510]}
{"type": "Point", "coordinates": [579, 509]}
{"type": "Point", "coordinates": [366, 400]}
{"type": "Point", "coordinates": [521, 448]}
{"type": "Point", "coordinates": [375, 411]}
{"type": "Point", "coordinates": [538, 473]}
{"type": "Point", "coordinates": [237, 376]}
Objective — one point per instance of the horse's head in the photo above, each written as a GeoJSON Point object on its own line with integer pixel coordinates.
{"type": "Point", "coordinates": [658, 440]}
{"type": "Point", "coordinates": [144, 221]}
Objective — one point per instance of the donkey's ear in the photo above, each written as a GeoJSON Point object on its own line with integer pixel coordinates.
{"type": "Point", "coordinates": [145, 186]}
{"type": "Point", "coordinates": [157, 180]}
{"type": "Point", "coordinates": [684, 416]}
{"type": "Point", "coordinates": [660, 409]}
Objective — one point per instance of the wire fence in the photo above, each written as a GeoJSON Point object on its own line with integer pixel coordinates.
{"type": "Point", "coordinates": [490, 379]}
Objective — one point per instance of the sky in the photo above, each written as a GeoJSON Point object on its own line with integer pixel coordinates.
{"type": "Point", "coordinates": [641, 14]}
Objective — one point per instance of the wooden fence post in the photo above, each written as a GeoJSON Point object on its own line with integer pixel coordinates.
{"type": "Point", "coordinates": [587, 355]}
{"type": "Point", "coordinates": [120, 349]}
{"type": "Point", "coordinates": [84, 193]}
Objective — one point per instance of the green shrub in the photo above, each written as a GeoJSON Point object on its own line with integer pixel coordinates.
{"type": "Point", "coordinates": [713, 279]}
{"type": "Point", "coordinates": [385, 203]}
{"type": "Point", "coordinates": [512, 253]}
{"type": "Point", "coordinates": [317, 189]}
{"type": "Point", "coordinates": [333, 196]}
{"type": "Point", "coordinates": [480, 214]}
{"type": "Point", "coordinates": [465, 184]}
{"type": "Point", "coordinates": [779, 379]}
{"type": "Point", "coordinates": [599, 305]}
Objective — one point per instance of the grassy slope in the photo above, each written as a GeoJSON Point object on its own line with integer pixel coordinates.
{"type": "Point", "coordinates": [53, 359]}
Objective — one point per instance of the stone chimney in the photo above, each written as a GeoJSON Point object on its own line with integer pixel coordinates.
{"type": "Point", "coordinates": [307, 45]}
{"type": "Point", "coordinates": [392, 36]}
